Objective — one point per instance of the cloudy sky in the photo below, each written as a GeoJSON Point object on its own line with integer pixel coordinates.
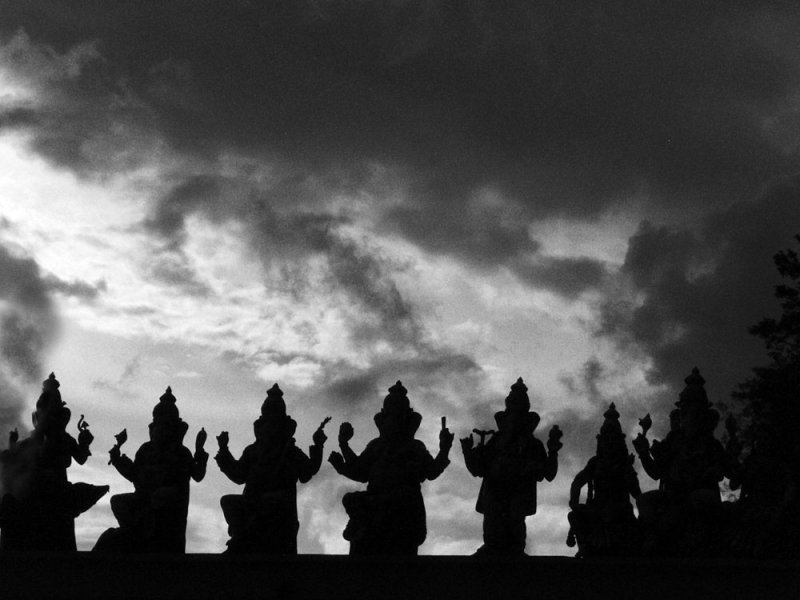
{"type": "Point", "coordinates": [337, 194]}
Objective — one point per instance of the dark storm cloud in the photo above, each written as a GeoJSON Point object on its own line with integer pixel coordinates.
{"type": "Point", "coordinates": [694, 292]}
{"type": "Point", "coordinates": [560, 110]}
{"type": "Point", "coordinates": [586, 383]}
{"type": "Point", "coordinates": [17, 117]}
{"type": "Point", "coordinates": [566, 276]}
{"type": "Point", "coordinates": [119, 388]}
{"type": "Point", "coordinates": [172, 267]}
{"type": "Point", "coordinates": [351, 387]}
{"type": "Point", "coordinates": [77, 288]}
{"type": "Point", "coordinates": [283, 233]}
{"type": "Point", "coordinates": [28, 324]}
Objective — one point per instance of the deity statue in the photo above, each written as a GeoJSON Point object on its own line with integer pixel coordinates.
{"type": "Point", "coordinates": [39, 505]}
{"type": "Point", "coordinates": [684, 515]}
{"type": "Point", "coordinates": [263, 519]}
{"type": "Point", "coordinates": [605, 525]}
{"type": "Point", "coordinates": [765, 520]}
{"type": "Point", "coordinates": [511, 463]}
{"type": "Point", "coordinates": [389, 517]}
{"type": "Point", "coordinates": [153, 517]}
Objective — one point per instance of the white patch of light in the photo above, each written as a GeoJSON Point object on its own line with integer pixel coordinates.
{"type": "Point", "coordinates": [74, 229]}
{"type": "Point", "coordinates": [604, 239]}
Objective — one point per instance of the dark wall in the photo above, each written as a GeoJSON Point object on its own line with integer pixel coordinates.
{"type": "Point", "coordinates": [197, 577]}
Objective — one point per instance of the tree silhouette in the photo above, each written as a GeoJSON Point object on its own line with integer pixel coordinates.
{"type": "Point", "coordinates": [772, 395]}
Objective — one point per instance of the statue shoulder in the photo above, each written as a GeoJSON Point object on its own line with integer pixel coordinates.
{"type": "Point", "coordinates": [536, 444]}
{"type": "Point", "coordinates": [419, 446]}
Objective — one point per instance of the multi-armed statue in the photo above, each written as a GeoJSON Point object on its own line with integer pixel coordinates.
{"type": "Point", "coordinates": [263, 519]}
{"type": "Point", "coordinates": [684, 516]}
{"type": "Point", "coordinates": [510, 463]}
{"type": "Point", "coordinates": [605, 525]}
{"type": "Point", "coordinates": [153, 517]}
{"type": "Point", "coordinates": [765, 522]}
{"type": "Point", "coordinates": [39, 505]}
{"type": "Point", "coordinates": [389, 517]}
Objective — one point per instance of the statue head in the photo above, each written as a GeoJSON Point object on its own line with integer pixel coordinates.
{"type": "Point", "coordinates": [517, 416]}
{"type": "Point", "coordinates": [274, 425]}
{"type": "Point", "coordinates": [167, 425]}
{"type": "Point", "coordinates": [273, 407]}
{"type": "Point", "coordinates": [397, 419]}
{"type": "Point", "coordinates": [694, 405]}
{"type": "Point", "coordinates": [611, 440]}
{"type": "Point", "coordinates": [51, 413]}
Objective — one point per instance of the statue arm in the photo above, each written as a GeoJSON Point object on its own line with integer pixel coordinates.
{"type": "Point", "coordinates": [551, 466]}
{"type": "Point", "coordinates": [347, 452]}
{"type": "Point", "coordinates": [353, 466]}
{"type": "Point", "coordinates": [581, 479]}
{"type": "Point", "coordinates": [436, 466]}
{"type": "Point", "coordinates": [547, 460]}
{"type": "Point", "coordinates": [645, 454]}
{"type": "Point", "coordinates": [199, 464]}
{"type": "Point", "coordinates": [124, 466]}
{"type": "Point", "coordinates": [309, 465]}
{"type": "Point", "coordinates": [233, 469]}
{"type": "Point", "coordinates": [79, 450]}
{"type": "Point", "coordinates": [474, 459]}
{"type": "Point", "coordinates": [634, 489]}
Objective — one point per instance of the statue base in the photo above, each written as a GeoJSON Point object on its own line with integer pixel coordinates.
{"type": "Point", "coordinates": [86, 576]}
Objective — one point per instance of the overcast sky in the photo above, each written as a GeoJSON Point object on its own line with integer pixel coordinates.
{"type": "Point", "coordinates": [334, 195]}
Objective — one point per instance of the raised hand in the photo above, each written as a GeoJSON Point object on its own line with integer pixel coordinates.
{"type": "Point", "coordinates": [446, 437]}
{"type": "Point", "coordinates": [467, 443]}
{"type": "Point", "coordinates": [319, 436]}
{"type": "Point", "coordinates": [645, 423]}
{"type": "Point", "coordinates": [641, 445]}
{"type": "Point", "coordinates": [13, 437]}
{"type": "Point", "coordinates": [222, 440]}
{"type": "Point", "coordinates": [346, 433]}
{"type": "Point", "coordinates": [121, 437]}
{"type": "Point", "coordinates": [115, 452]}
{"type": "Point", "coordinates": [200, 440]}
{"type": "Point", "coordinates": [85, 436]}
{"type": "Point", "coordinates": [554, 439]}
{"type": "Point", "coordinates": [337, 460]}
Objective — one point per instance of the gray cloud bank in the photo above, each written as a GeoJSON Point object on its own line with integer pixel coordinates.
{"type": "Point", "coordinates": [28, 324]}
{"type": "Point", "coordinates": [692, 292]}
{"type": "Point", "coordinates": [440, 106]}
{"type": "Point", "coordinates": [562, 111]}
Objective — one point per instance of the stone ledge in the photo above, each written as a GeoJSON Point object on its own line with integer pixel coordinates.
{"type": "Point", "coordinates": [87, 576]}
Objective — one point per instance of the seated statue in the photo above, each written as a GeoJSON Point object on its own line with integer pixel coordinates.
{"type": "Point", "coordinates": [684, 516]}
{"type": "Point", "coordinates": [511, 463]}
{"type": "Point", "coordinates": [605, 525]}
{"type": "Point", "coordinates": [39, 505]}
{"type": "Point", "coordinates": [263, 519]}
{"type": "Point", "coordinates": [765, 520]}
{"type": "Point", "coordinates": [153, 517]}
{"type": "Point", "coordinates": [389, 517]}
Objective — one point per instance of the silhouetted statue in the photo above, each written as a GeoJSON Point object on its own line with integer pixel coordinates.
{"type": "Point", "coordinates": [153, 517]}
{"type": "Point", "coordinates": [389, 517]}
{"type": "Point", "coordinates": [605, 525]}
{"type": "Point", "coordinates": [684, 516]}
{"type": "Point", "coordinates": [766, 517]}
{"type": "Point", "coordinates": [263, 519]}
{"type": "Point", "coordinates": [510, 463]}
{"type": "Point", "coordinates": [39, 504]}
